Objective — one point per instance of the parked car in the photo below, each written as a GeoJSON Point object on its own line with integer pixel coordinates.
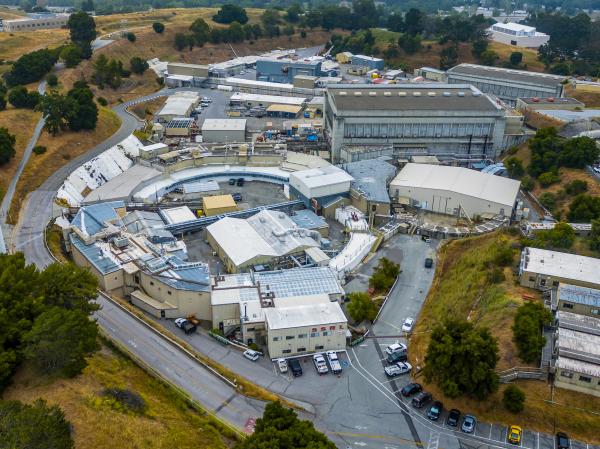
{"type": "Point", "coordinates": [421, 399]}
{"type": "Point", "coordinates": [410, 389]}
{"type": "Point", "coordinates": [426, 238]}
{"type": "Point", "coordinates": [320, 364]}
{"type": "Point", "coordinates": [562, 441]}
{"type": "Point", "coordinates": [397, 357]}
{"type": "Point", "coordinates": [514, 434]}
{"type": "Point", "coordinates": [397, 369]}
{"type": "Point", "coordinates": [240, 182]}
{"type": "Point", "coordinates": [428, 262]}
{"type": "Point", "coordinates": [251, 355]}
{"type": "Point", "coordinates": [185, 325]}
{"type": "Point", "coordinates": [295, 367]}
{"type": "Point", "coordinates": [237, 197]}
{"type": "Point", "coordinates": [435, 411]}
{"type": "Point", "coordinates": [453, 417]}
{"type": "Point", "coordinates": [469, 423]}
{"type": "Point", "coordinates": [206, 100]}
{"type": "Point", "coordinates": [282, 365]}
{"type": "Point", "coordinates": [395, 347]}
{"type": "Point", "coordinates": [408, 324]}
{"type": "Point", "coordinates": [334, 362]}
{"type": "Point", "coordinates": [232, 181]}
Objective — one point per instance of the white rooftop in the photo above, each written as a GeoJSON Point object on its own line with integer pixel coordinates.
{"type": "Point", "coordinates": [276, 99]}
{"type": "Point", "coordinates": [179, 103]}
{"type": "Point", "coordinates": [257, 83]}
{"type": "Point", "coordinates": [561, 265]}
{"type": "Point", "coordinates": [515, 26]}
{"type": "Point", "coordinates": [305, 315]}
{"type": "Point", "coordinates": [464, 181]}
{"type": "Point", "coordinates": [224, 124]}
{"type": "Point", "coordinates": [322, 176]}
{"type": "Point", "coordinates": [176, 215]}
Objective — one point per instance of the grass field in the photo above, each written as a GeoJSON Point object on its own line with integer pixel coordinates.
{"type": "Point", "coordinates": [60, 150]}
{"type": "Point", "coordinates": [590, 99]}
{"type": "Point", "coordinates": [167, 423]}
{"type": "Point", "coordinates": [13, 45]}
{"type": "Point", "coordinates": [460, 290]}
{"type": "Point", "coordinates": [530, 60]}
{"type": "Point", "coordinates": [20, 123]}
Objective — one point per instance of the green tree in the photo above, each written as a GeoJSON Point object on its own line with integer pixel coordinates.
{"type": "Point", "coordinates": [384, 275]}
{"type": "Point", "coordinates": [584, 208]}
{"type": "Point", "coordinates": [131, 37]}
{"type": "Point", "coordinates": [548, 178]}
{"type": "Point", "coordinates": [181, 41]}
{"type": "Point", "coordinates": [576, 187]}
{"type": "Point", "coordinates": [414, 21]}
{"type": "Point", "coordinates": [34, 425]}
{"type": "Point", "coordinates": [527, 330]}
{"type": "Point", "coordinates": [231, 13]}
{"type": "Point", "coordinates": [280, 428]}
{"type": "Point", "coordinates": [527, 183]}
{"type": "Point", "coordinates": [548, 200]}
{"type": "Point", "coordinates": [293, 13]}
{"type": "Point", "coordinates": [410, 43]}
{"type": "Point", "coordinates": [158, 27]}
{"type": "Point", "coordinates": [513, 399]}
{"type": "Point", "coordinates": [514, 167]}
{"type": "Point", "coordinates": [594, 238]}
{"type": "Point", "coordinates": [201, 32]}
{"type": "Point", "coordinates": [85, 113]}
{"type": "Point", "coordinates": [270, 20]}
{"type": "Point", "coordinates": [515, 58]}
{"type": "Point", "coordinates": [2, 103]}
{"type": "Point", "coordinates": [7, 148]}
{"type": "Point", "coordinates": [31, 67]}
{"type": "Point", "coordinates": [448, 57]}
{"type": "Point", "coordinates": [19, 97]}
{"type": "Point", "coordinates": [138, 65]}
{"type": "Point", "coordinates": [60, 340]}
{"type": "Point", "coordinates": [561, 236]}
{"type": "Point", "coordinates": [56, 109]}
{"type": "Point", "coordinates": [71, 55]}
{"type": "Point", "coordinates": [235, 32]}
{"type": "Point", "coordinates": [82, 28]}
{"type": "Point", "coordinates": [361, 307]}
{"type": "Point", "coordinates": [289, 30]}
{"type": "Point", "coordinates": [461, 359]}
{"type": "Point", "coordinates": [52, 80]}
{"type": "Point", "coordinates": [488, 57]}
{"type": "Point", "coordinates": [479, 46]}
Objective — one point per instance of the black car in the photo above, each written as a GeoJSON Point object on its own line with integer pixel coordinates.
{"type": "Point", "coordinates": [435, 411]}
{"type": "Point", "coordinates": [237, 197]}
{"type": "Point", "coordinates": [428, 262]}
{"type": "Point", "coordinates": [410, 389]}
{"type": "Point", "coordinates": [453, 418]}
{"type": "Point", "coordinates": [231, 181]}
{"type": "Point", "coordinates": [562, 441]}
{"type": "Point", "coordinates": [396, 357]}
{"type": "Point", "coordinates": [295, 367]}
{"type": "Point", "coordinates": [421, 399]}
{"type": "Point", "coordinates": [240, 182]}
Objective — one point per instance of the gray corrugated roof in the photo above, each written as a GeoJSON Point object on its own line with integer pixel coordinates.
{"type": "Point", "coordinates": [91, 219]}
{"type": "Point", "coordinates": [371, 177]}
{"type": "Point", "coordinates": [429, 97]}
{"type": "Point", "coordinates": [499, 73]}
{"type": "Point", "coordinates": [299, 282]}
{"type": "Point", "coordinates": [95, 255]}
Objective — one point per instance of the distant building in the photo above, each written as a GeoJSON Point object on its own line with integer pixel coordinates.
{"type": "Point", "coordinates": [218, 204]}
{"type": "Point", "coordinates": [344, 57]}
{"type": "Point", "coordinates": [36, 21]}
{"type": "Point", "coordinates": [454, 190]}
{"type": "Point", "coordinates": [430, 74]}
{"type": "Point", "coordinates": [224, 130]}
{"type": "Point", "coordinates": [368, 61]}
{"type": "Point", "coordinates": [284, 70]}
{"type": "Point", "coordinates": [540, 104]}
{"type": "Point", "coordinates": [544, 269]}
{"type": "Point", "coordinates": [178, 105]}
{"type": "Point", "coordinates": [369, 190]}
{"type": "Point", "coordinates": [507, 84]}
{"type": "Point", "coordinates": [517, 34]}
{"type": "Point", "coordinates": [575, 299]}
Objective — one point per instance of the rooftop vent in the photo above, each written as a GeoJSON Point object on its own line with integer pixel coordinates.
{"type": "Point", "coordinates": [402, 94]}
{"type": "Point", "coordinates": [357, 94]}
{"type": "Point", "coordinates": [476, 94]}
{"type": "Point", "coordinates": [551, 99]}
{"type": "Point", "coordinates": [446, 94]}
{"type": "Point", "coordinates": [535, 99]}
{"type": "Point", "coordinates": [416, 94]}
{"type": "Point", "coordinates": [387, 94]}
{"type": "Point", "coordinates": [343, 93]}
{"type": "Point", "coordinates": [372, 94]}
{"type": "Point", "coordinates": [431, 94]}
{"type": "Point", "coordinates": [461, 94]}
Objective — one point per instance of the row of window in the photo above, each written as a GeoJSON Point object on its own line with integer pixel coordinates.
{"type": "Point", "coordinates": [312, 335]}
{"type": "Point", "coordinates": [37, 24]}
{"type": "Point", "coordinates": [567, 305]}
{"type": "Point", "coordinates": [398, 130]}
{"type": "Point", "coordinates": [303, 349]}
{"type": "Point", "coordinates": [502, 91]}
{"type": "Point", "coordinates": [582, 378]}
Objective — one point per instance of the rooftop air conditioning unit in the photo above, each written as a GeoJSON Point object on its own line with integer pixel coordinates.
{"type": "Point", "coordinates": [416, 94]}
{"type": "Point", "coordinates": [402, 94]}
{"type": "Point", "coordinates": [387, 94]}
{"type": "Point", "coordinates": [446, 94]}
{"type": "Point", "coordinates": [372, 94]}
{"type": "Point", "coordinates": [461, 94]}
{"type": "Point", "coordinates": [431, 94]}
{"type": "Point", "coordinates": [357, 94]}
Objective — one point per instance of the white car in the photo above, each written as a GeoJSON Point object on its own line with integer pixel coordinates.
{"type": "Point", "coordinates": [206, 100]}
{"type": "Point", "coordinates": [282, 365]}
{"type": "Point", "coordinates": [596, 169]}
{"type": "Point", "coordinates": [251, 355]}
{"type": "Point", "coordinates": [408, 325]}
{"type": "Point", "coordinates": [397, 369]}
{"type": "Point", "coordinates": [394, 348]}
{"type": "Point", "coordinates": [320, 364]}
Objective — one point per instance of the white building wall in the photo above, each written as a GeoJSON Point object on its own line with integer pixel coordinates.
{"type": "Point", "coordinates": [534, 41]}
{"type": "Point", "coordinates": [305, 340]}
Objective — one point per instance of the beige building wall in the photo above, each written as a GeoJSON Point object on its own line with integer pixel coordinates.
{"type": "Point", "coordinates": [110, 282]}
{"type": "Point", "coordinates": [580, 309]}
{"type": "Point", "coordinates": [35, 24]}
{"type": "Point", "coordinates": [542, 281]}
{"type": "Point", "coordinates": [223, 313]}
{"type": "Point", "coordinates": [575, 381]}
{"type": "Point", "coordinates": [305, 340]}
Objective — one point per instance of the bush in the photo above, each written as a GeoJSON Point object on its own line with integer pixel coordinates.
{"type": "Point", "coordinates": [19, 97]}
{"type": "Point", "coordinates": [548, 200]}
{"type": "Point", "coordinates": [495, 276]}
{"type": "Point", "coordinates": [361, 307]}
{"type": "Point", "coordinates": [576, 187]}
{"type": "Point", "coordinates": [102, 101]}
{"type": "Point", "coordinates": [52, 80]}
{"type": "Point", "coordinates": [384, 275]}
{"type": "Point", "coordinates": [527, 330]}
{"type": "Point", "coordinates": [503, 254]}
{"type": "Point", "coordinates": [7, 146]}
{"type": "Point", "coordinates": [548, 178]}
{"type": "Point", "coordinates": [131, 37]}
{"type": "Point", "coordinates": [527, 183]}
{"type": "Point", "coordinates": [158, 27]}
{"type": "Point", "coordinates": [125, 399]}
{"type": "Point", "coordinates": [39, 149]}
{"type": "Point", "coordinates": [513, 399]}
{"type": "Point", "coordinates": [584, 208]}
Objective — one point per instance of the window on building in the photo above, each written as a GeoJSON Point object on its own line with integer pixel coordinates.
{"type": "Point", "coordinates": [314, 334]}
{"type": "Point", "coordinates": [151, 283]}
{"type": "Point", "coordinates": [331, 328]}
{"type": "Point", "coordinates": [289, 337]}
{"type": "Point", "coordinates": [566, 374]}
{"type": "Point", "coordinates": [585, 379]}
{"type": "Point", "coordinates": [319, 347]}
{"type": "Point", "coordinates": [531, 278]}
{"type": "Point", "coordinates": [302, 335]}
{"type": "Point", "coordinates": [286, 351]}
{"type": "Point", "coordinates": [326, 333]}
{"type": "Point", "coordinates": [543, 282]}
{"type": "Point", "coordinates": [275, 338]}
{"type": "Point", "coordinates": [555, 284]}
{"type": "Point", "coordinates": [303, 349]}
{"type": "Point", "coordinates": [595, 311]}
{"type": "Point", "coordinates": [169, 292]}
{"type": "Point", "coordinates": [251, 329]}
{"type": "Point", "coordinates": [566, 305]}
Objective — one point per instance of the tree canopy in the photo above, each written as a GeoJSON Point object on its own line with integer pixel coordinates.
{"type": "Point", "coordinates": [361, 307]}
{"type": "Point", "coordinates": [384, 275]}
{"type": "Point", "coordinates": [527, 330]}
{"type": "Point", "coordinates": [7, 146]}
{"type": "Point", "coordinates": [231, 13]}
{"type": "Point", "coordinates": [280, 428]}
{"type": "Point", "coordinates": [461, 359]}
{"type": "Point", "coordinates": [82, 28]}
{"type": "Point", "coordinates": [32, 67]}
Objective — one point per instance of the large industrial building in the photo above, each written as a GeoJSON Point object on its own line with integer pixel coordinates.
{"type": "Point", "coordinates": [36, 21]}
{"type": "Point", "coordinates": [431, 118]}
{"type": "Point", "coordinates": [454, 190]}
{"type": "Point", "coordinates": [368, 61]}
{"type": "Point", "coordinates": [544, 269]}
{"type": "Point", "coordinates": [369, 190]}
{"type": "Point", "coordinates": [283, 70]}
{"type": "Point", "coordinates": [518, 35]}
{"type": "Point", "coordinates": [224, 130]}
{"type": "Point", "coordinates": [267, 239]}
{"type": "Point", "coordinates": [178, 105]}
{"type": "Point", "coordinates": [507, 84]}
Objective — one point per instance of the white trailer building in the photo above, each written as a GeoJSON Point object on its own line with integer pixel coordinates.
{"type": "Point", "coordinates": [518, 35]}
{"type": "Point", "coordinates": [454, 190]}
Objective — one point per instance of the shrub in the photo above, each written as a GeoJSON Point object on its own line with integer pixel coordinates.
{"type": "Point", "coordinates": [254, 347]}
{"type": "Point", "coordinates": [126, 399]}
{"type": "Point", "coordinates": [102, 101]}
{"type": "Point", "coordinates": [576, 187]}
{"type": "Point", "coordinates": [384, 275]}
{"type": "Point", "coordinates": [158, 27]}
{"type": "Point", "coordinates": [495, 276]}
{"type": "Point", "coordinates": [548, 200]}
{"type": "Point", "coordinates": [513, 399]}
{"type": "Point", "coordinates": [503, 254]}
{"type": "Point", "coordinates": [52, 80]}
{"type": "Point", "coordinates": [131, 37]}
{"type": "Point", "coordinates": [548, 178]}
{"type": "Point", "coordinates": [527, 183]}
{"type": "Point", "coordinates": [527, 330]}
{"type": "Point", "coordinates": [39, 149]}
{"type": "Point", "coordinates": [361, 307]}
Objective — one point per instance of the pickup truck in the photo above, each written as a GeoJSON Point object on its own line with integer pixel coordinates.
{"type": "Point", "coordinates": [320, 364]}
{"type": "Point", "coordinates": [334, 362]}
{"type": "Point", "coordinates": [185, 325]}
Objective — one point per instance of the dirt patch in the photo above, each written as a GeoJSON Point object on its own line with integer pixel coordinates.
{"type": "Point", "coordinates": [147, 109]}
